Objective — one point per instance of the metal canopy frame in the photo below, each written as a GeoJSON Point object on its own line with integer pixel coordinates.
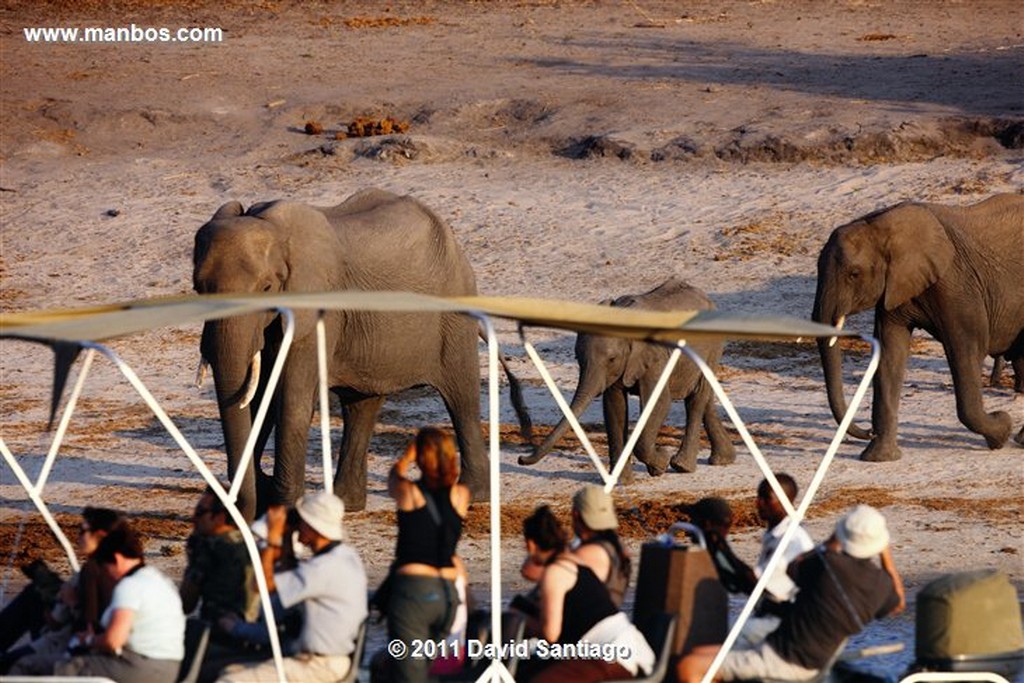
{"type": "Point", "coordinates": [86, 327]}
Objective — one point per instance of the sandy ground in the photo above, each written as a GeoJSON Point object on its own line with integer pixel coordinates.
{"type": "Point", "coordinates": [579, 150]}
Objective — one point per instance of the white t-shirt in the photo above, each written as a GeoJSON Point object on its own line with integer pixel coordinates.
{"type": "Point", "coordinates": [158, 628]}
{"type": "Point", "coordinates": [780, 586]}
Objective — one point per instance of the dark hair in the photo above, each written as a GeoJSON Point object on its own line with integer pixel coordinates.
{"type": "Point", "coordinates": [124, 540]}
{"type": "Point", "coordinates": [544, 529]}
{"type": "Point", "coordinates": [787, 483]}
{"type": "Point", "coordinates": [102, 519]}
{"type": "Point", "coordinates": [217, 505]}
{"type": "Point", "coordinates": [711, 509]}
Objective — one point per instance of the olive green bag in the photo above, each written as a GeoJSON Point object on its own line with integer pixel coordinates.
{"type": "Point", "coordinates": [968, 615]}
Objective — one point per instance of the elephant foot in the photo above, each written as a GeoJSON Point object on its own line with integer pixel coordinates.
{"type": "Point", "coordinates": [684, 462]}
{"type": "Point", "coordinates": [354, 502]}
{"type": "Point", "coordinates": [881, 452]}
{"type": "Point", "coordinates": [1001, 435]}
{"type": "Point", "coordinates": [723, 456]}
{"type": "Point", "coordinates": [627, 477]}
{"type": "Point", "coordinates": [479, 490]}
{"type": "Point", "coordinates": [657, 463]}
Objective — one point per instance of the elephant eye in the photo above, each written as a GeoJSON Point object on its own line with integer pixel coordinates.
{"type": "Point", "coordinates": [267, 287]}
{"type": "Point", "coordinates": [853, 273]}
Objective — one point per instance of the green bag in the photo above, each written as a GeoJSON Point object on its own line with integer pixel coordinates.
{"type": "Point", "coordinates": [968, 614]}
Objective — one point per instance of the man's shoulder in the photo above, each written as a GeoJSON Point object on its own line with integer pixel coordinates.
{"type": "Point", "coordinates": [340, 555]}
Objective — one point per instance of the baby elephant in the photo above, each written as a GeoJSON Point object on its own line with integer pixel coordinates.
{"type": "Point", "coordinates": [615, 367]}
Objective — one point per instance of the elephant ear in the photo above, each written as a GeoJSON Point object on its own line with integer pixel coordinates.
{"type": "Point", "coordinates": [919, 251]}
{"type": "Point", "coordinates": [638, 362]}
{"type": "Point", "coordinates": [231, 209]}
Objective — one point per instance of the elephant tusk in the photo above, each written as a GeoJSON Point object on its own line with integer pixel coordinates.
{"type": "Point", "coordinates": [839, 324]}
{"type": "Point", "coordinates": [201, 372]}
{"type": "Point", "coordinates": [254, 382]}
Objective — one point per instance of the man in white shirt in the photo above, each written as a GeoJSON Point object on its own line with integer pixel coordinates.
{"type": "Point", "coordinates": [714, 517]}
{"type": "Point", "coordinates": [780, 590]}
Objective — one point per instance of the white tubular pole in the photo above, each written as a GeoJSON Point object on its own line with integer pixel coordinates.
{"type": "Point", "coordinates": [37, 500]}
{"type": "Point", "coordinates": [496, 671]}
{"type": "Point", "coordinates": [797, 515]}
{"type": "Point", "coordinates": [325, 418]}
{"type": "Point", "coordinates": [65, 420]}
{"type": "Point", "coordinates": [228, 499]}
{"type": "Point", "coordinates": [645, 415]}
{"type": "Point", "coordinates": [954, 676]}
{"type": "Point", "coordinates": [261, 413]}
{"type": "Point", "coordinates": [741, 427]}
{"type": "Point", "coordinates": [261, 582]}
{"type": "Point", "coordinates": [35, 491]}
{"type": "Point", "coordinates": [564, 407]}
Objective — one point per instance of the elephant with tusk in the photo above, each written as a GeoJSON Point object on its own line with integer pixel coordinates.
{"type": "Point", "coordinates": [614, 368]}
{"type": "Point", "coordinates": [955, 272]}
{"type": "Point", "coordinates": [374, 240]}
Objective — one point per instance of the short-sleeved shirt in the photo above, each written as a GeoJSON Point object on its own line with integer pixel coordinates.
{"type": "Point", "coordinates": [332, 589]}
{"type": "Point", "coordinates": [221, 568]}
{"type": "Point", "coordinates": [158, 626]}
{"type": "Point", "coordinates": [823, 614]}
{"type": "Point", "coordinates": [780, 587]}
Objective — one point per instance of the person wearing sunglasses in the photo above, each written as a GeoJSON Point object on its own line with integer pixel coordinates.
{"type": "Point", "coordinates": [75, 612]}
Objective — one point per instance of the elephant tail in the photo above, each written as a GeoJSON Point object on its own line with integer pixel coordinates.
{"type": "Point", "coordinates": [518, 403]}
{"type": "Point", "coordinates": [516, 394]}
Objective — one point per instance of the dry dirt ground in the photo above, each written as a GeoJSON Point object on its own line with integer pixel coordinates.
{"type": "Point", "coordinates": [579, 150]}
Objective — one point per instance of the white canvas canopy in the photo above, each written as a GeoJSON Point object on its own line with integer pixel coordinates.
{"type": "Point", "coordinates": [69, 332]}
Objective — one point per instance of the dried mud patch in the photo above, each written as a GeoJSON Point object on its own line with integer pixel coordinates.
{"type": "Point", "coordinates": [22, 541]}
{"type": "Point", "coordinates": [906, 143]}
{"type": "Point", "coordinates": [641, 518]}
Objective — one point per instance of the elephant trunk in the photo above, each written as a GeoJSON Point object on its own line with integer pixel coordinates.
{"type": "Point", "coordinates": [832, 365]}
{"type": "Point", "coordinates": [580, 402]}
{"type": "Point", "coordinates": [230, 347]}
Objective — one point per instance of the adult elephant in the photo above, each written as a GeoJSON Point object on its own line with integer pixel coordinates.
{"type": "Point", "coordinates": [615, 367]}
{"type": "Point", "coordinates": [374, 240]}
{"type": "Point", "coordinates": [955, 272]}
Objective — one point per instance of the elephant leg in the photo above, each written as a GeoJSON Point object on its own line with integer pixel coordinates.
{"type": "Point", "coordinates": [894, 340]}
{"type": "Point", "coordinates": [723, 452]}
{"type": "Point", "coordinates": [247, 500]}
{"type": "Point", "coordinates": [463, 403]}
{"type": "Point", "coordinates": [614, 406]}
{"type": "Point", "coordinates": [264, 482]}
{"type": "Point", "coordinates": [360, 416]}
{"type": "Point", "coordinates": [685, 459]}
{"type": "Point", "coordinates": [647, 451]}
{"type": "Point", "coordinates": [1018, 378]}
{"type": "Point", "coordinates": [996, 427]}
{"type": "Point", "coordinates": [291, 441]}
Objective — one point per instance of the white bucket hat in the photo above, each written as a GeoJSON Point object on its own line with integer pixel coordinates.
{"type": "Point", "coordinates": [862, 532]}
{"type": "Point", "coordinates": [323, 511]}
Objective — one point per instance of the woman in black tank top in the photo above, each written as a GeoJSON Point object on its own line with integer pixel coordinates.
{"type": "Point", "coordinates": [430, 517]}
{"type": "Point", "coordinates": [572, 601]}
